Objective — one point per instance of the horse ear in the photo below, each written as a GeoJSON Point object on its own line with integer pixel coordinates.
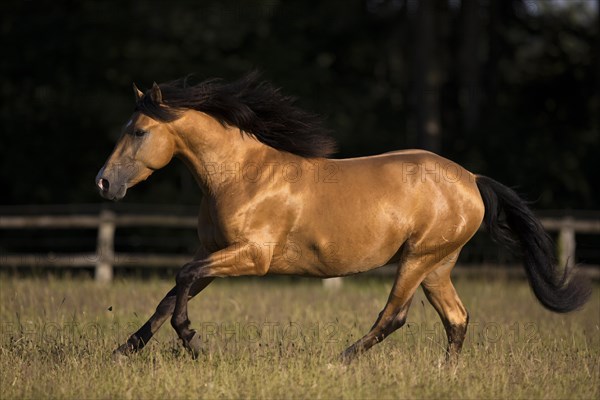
{"type": "Point", "coordinates": [155, 94]}
{"type": "Point", "coordinates": [137, 93]}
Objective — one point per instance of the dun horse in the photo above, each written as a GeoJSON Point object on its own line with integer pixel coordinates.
{"type": "Point", "coordinates": [273, 203]}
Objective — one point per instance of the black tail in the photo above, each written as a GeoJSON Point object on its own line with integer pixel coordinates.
{"type": "Point", "coordinates": [510, 222]}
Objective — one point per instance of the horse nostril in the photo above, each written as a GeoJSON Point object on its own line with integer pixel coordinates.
{"type": "Point", "coordinates": [103, 184]}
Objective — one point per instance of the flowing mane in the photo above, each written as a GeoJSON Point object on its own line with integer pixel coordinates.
{"type": "Point", "coordinates": [253, 105]}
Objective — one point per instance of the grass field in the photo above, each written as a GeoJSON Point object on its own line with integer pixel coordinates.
{"type": "Point", "coordinates": [280, 339]}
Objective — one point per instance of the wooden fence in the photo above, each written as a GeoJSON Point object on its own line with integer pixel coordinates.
{"type": "Point", "coordinates": [105, 259]}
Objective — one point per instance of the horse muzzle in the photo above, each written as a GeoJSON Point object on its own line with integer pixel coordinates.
{"type": "Point", "coordinates": [110, 191]}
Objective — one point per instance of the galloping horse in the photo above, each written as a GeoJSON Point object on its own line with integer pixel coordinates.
{"type": "Point", "coordinates": [273, 203]}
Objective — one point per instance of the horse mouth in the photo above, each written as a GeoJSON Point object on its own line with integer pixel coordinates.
{"type": "Point", "coordinates": [114, 195]}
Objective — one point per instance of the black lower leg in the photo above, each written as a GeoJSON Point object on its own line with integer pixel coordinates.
{"type": "Point", "coordinates": [136, 341]}
{"type": "Point", "coordinates": [164, 310]}
{"type": "Point", "coordinates": [142, 336]}
{"type": "Point", "coordinates": [382, 329]}
{"type": "Point", "coordinates": [180, 321]}
{"type": "Point", "coordinates": [456, 336]}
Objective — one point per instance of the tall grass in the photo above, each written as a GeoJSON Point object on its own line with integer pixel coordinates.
{"type": "Point", "coordinates": [280, 338]}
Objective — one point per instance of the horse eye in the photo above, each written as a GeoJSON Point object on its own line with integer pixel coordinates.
{"type": "Point", "coordinates": [139, 133]}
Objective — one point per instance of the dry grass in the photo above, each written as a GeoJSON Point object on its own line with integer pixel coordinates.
{"type": "Point", "coordinates": [280, 339]}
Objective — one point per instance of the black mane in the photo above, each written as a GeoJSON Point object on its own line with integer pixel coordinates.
{"type": "Point", "coordinates": [252, 105]}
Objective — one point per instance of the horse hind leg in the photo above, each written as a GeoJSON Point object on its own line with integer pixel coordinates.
{"type": "Point", "coordinates": [442, 295]}
{"type": "Point", "coordinates": [410, 274]}
{"type": "Point", "coordinates": [392, 317]}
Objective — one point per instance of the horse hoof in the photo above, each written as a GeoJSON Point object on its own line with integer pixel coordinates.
{"type": "Point", "coordinates": [120, 355]}
{"type": "Point", "coordinates": [345, 359]}
{"type": "Point", "coordinates": [194, 345]}
{"type": "Point", "coordinates": [118, 358]}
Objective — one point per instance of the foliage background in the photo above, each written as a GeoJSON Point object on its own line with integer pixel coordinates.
{"type": "Point", "coordinates": [512, 87]}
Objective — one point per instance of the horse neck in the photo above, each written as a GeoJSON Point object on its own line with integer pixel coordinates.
{"type": "Point", "coordinates": [216, 154]}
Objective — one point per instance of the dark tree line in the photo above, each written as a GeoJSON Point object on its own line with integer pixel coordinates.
{"type": "Point", "coordinates": [509, 89]}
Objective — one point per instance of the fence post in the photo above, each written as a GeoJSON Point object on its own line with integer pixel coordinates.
{"type": "Point", "coordinates": [105, 252]}
{"type": "Point", "coordinates": [566, 243]}
{"type": "Point", "coordinates": [332, 283]}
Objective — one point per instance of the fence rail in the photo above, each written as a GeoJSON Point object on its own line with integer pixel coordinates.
{"type": "Point", "coordinates": [104, 259]}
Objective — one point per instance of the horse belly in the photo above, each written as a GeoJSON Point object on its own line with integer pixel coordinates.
{"type": "Point", "coordinates": [352, 256]}
{"type": "Point", "coordinates": [338, 252]}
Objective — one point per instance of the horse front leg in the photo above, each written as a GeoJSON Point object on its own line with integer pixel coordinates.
{"type": "Point", "coordinates": [164, 310]}
{"type": "Point", "coordinates": [236, 260]}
